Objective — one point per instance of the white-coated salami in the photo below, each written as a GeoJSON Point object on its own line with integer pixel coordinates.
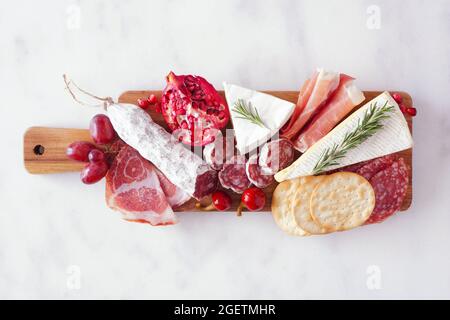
{"type": "Point", "coordinates": [276, 155]}
{"type": "Point", "coordinates": [233, 175]}
{"type": "Point", "coordinates": [255, 174]}
{"type": "Point", "coordinates": [181, 166]}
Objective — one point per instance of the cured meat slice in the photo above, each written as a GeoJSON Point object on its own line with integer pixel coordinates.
{"type": "Point", "coordinates": [133, 188]}
{"type": "Point", "coordinates": [182, 167]}
{"type": "Point", "coordinates": [372, 167]}
{"type": "Point", "coordinates": [390, 186]}
{"type": "Point", "coordinates": [233, 175]}
{"type": "Point", "coordinates": [368, 168]}
{"type": "Point", "coordinates": [174, 195]}
{"type": "Point", "coordinates": [256, 175]}
{"type": "Point", "coordinates": [303, 97]}
{"type": "Point", "coordinates": [343, 100]}
{"type": "Point", "coordinates": [325, 85]}
{"type": "Point", "coordinates": [276, 155]}
{"type": "Point", "coordinates": [219, 152]}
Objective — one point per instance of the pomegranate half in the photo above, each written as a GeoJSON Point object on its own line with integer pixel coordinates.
{"type": "Point", "coordinates": [193, 109]}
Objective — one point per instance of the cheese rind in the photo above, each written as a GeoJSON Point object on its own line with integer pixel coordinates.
{"type": "Point", "coordinates": [393, 137]}
{"type": "Point", "coordinates": [274, 112]}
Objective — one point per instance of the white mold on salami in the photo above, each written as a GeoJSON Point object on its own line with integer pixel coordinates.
{"type": "Point", "coordinates": [182, 167]}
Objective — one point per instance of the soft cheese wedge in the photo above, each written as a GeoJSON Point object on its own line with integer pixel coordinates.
{"type": "Point", "coordinates": [274, 113]}
{"type": "Point", "coordinates": [393, 137]}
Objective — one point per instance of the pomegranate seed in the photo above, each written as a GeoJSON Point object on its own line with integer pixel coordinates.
{"type": "Point", "coordinates": [184, 125]}
{"type": "Point", "coordinates": [411, 111]}
{"type": "Point", "coordinates": [397, 97]}
{"type": "Point", "coordinates": [403, 108]}
{"type": "Point", "coordinates": [143, 103]}
{"type": "Point", "coordinates": [152, 99]}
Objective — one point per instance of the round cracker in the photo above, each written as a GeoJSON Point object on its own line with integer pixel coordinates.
{"type": "Point", "coordinates": [282, 207]}
{"type": "Point", "coordinates": [301, 203]}
{"type": "Point", "coordinates": [342, 201]}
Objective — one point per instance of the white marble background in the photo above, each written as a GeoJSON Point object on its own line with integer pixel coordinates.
{"type": "Point", "coordinates": [58, 239]}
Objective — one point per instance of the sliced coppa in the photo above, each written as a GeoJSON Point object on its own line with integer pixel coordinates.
{"type": "Point", "coordinates": [276, 155]}
{"type": "Point", "coordinates": [233, 175]}
{"type": "Point", "coordinates": [390, 186]}
{"type": "Point", "coordinates": [133, 188]}
{"type": "Point", "coordinates": [255, 174]}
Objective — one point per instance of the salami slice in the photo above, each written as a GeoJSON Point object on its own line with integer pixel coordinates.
{"type": "Point", "coordinates": [233, 175]}
{"type": "Point", "coordinates": [255, 174]}
{"type": "Point", "coordinates": [276, 155]}
{"type": "Point", "coordinates": [390, 186]}
{"type": "Point", "coordinates": [218, 152]}
{"type": "Point", "coordinates": [372, 167]}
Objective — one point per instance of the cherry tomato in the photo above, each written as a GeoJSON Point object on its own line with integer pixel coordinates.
{"type": "Point", "coordinates": [221, 200]}
{"type": "Point", "coordinates": [94, 172]}
{"type": "Point", "coordinates": [79, 150]}
{"type": "Point", "coordinates": [101, 129]}
{"type": "Point", "coordinates": [254, 199]}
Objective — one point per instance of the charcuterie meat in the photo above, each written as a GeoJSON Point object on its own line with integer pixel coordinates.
{"type": "Point", "coordinates": [182, 167]}
{"type": "Point", "coordinates": [219, 152]}
{"type": "Point", "coordinates": [174, 195]}
{"type": "Point", "coordinates": [233, 175]}
{"type": "Point", "coordinates": [276, 155]}
{"type": "Point", "coordinates": [390, 186]}
{"type": "Point", "coordinates": [372, 167]}
{"type": "Point", "coordinates": [255, 174]}
{"type": "Point", "coordinates": [133, 188]}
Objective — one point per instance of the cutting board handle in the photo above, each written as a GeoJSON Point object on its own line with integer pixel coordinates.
{"type": "Point", "coordinates": [44, 149]}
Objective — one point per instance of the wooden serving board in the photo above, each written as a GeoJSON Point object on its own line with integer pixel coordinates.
{"type": "Point", "coordinates": [44, 148]}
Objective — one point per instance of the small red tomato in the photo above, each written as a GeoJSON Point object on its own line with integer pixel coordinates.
{"type": "Point", "coordinates": [96, 155]}
{"type": "Point", "coordinates": [152, 99]}
{"type": "Point", "coordinates": [254, 199]}
{"type": "Point", "coordinates": [411, 111]}
{"type": "Point", "coordinates": [397, 97]}
{"type": "Point", "coordinates": [221, 200]}
{"type": "Point", "coordinates": [143, 103]}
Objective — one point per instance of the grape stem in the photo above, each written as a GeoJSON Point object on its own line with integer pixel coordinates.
{"type": "Point", "coordinates": [107, 101]}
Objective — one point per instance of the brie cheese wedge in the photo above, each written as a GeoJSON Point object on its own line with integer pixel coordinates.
{"type": "Point", "coordinates": [393, 137]}
{"type": "Point", "coordinates": [274, 113]}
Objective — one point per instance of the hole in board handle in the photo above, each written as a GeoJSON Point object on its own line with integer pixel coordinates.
{"type": "Point", "coordinates": [39, 150]}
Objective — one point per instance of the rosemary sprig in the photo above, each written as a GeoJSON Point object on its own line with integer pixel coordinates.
{"type": "Point", "coordinates": [247, 112]}
{"type": "Point", "coordinates": [371, 123]}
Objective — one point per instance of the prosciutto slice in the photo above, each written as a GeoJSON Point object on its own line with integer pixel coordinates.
{"type": "Point", "coordinates": [324, 86]}
{"type": "Point", "coordinates": [303, 97]}
{"type": "Point", "coordinates": [133, 188]}
{"type": "Point", "coordinates": [343, 100]}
